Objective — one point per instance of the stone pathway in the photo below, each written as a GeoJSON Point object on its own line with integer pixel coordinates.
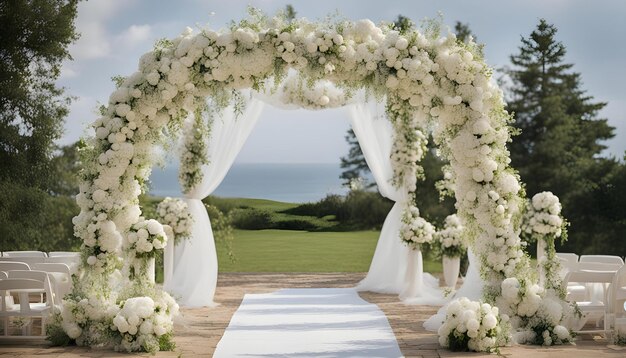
{"type": "Point", "coordinates": [199, 331]}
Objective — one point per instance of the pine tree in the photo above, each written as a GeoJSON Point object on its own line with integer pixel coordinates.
{"type": "Point", "coordinates": [560, 133]}
{"type": "Point", "coordinates": [463, 32]}
{"type": "Point", "coordinates": [354, 163]}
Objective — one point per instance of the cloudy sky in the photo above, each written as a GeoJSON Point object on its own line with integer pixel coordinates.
{"type": "Point", "coordinates": [115, 33]}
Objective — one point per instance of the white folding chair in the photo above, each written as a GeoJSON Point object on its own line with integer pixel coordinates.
{"type": "Point", "coordinates": [606, 259]}
{"type": "Point", "coordinates": [3, 275]}
{"type": "Point", "coordinates": [24, 254]}
{"type": "Point", "coordinates": [13, 265]}
{"type": "Point", "coordinates": [60, 278]}
{"type": "Point", "coordinates": [22, 288]}
{"type": "Point", "coordinates": [594, 308]}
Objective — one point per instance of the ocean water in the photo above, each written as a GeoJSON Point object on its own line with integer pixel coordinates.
{"type": "Point", "coordinates": [297, 183]}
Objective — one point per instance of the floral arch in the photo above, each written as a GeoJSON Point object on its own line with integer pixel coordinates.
{"type": "Point", "coordinates": [431, 84]}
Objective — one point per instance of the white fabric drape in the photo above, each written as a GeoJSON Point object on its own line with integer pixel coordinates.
{"type": "Point", "coordinates": [375, 133]}
{"type": "Point", "coordinates": [388, 270]}
{"type": "Point", "coordinates": [194, 278]}
{"type": "Point", "coordinates": [471, 288]}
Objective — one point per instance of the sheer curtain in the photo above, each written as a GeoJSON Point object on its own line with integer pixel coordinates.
{"type": "Point", "coordinates": [374, 132]}
{"type": "Point", "coordinates": [194, 277]}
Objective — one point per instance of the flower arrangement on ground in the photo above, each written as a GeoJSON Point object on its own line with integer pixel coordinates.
{"type": "Point", "coordinates": [539, 315]}
{"type": "Point", "coordinates": [415, 230]}
{"type": "Point", "coordinates": [473, 326]}
{"type": "Point", "coordinates": [175, 213]}
{"type": "Point", "coordinates": [144, 323]}
{"type": "Point", "coordinates": [451, 238]}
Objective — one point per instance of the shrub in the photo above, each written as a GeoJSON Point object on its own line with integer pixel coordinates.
{"type": "Point", "coordinates": [251, 219]}
{"type": "Point", "coordinates": [364, 209]}
{"type": "Point", "coordinates": [330, 205]}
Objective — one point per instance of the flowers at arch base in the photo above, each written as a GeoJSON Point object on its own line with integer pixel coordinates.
{"type": "Point", "coordinates": [175, 213]}
{"type": "Point", "coordinates": [145, 323]}
{"type": "Point", "coordinates": [415, 230]}
{"type": "Point", "coordinates": [473, 326]}
{"type": "Point", "coordinates": [542, 316]}
{"type": "Point", "coordinates": [451, 238]}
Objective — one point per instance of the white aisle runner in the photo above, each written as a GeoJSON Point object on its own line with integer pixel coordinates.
{"type": "Point", "coordinates": [308, 322]}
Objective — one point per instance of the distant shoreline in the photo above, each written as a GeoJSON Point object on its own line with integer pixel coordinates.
{"type": "Point", "coordinates": [281, 182]}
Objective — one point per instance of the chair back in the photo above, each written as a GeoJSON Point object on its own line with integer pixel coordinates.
{"type": "Point", "coordinates": [63, 254]}
{"type": "Point", "coordinates": [599, 266]}
{"type": "Point", "coordinates": [13, 265]}
{"type": "Point", "coordinates": [607, 259]}
{"type": "Point", "coordinates": [26, 259]}
{"type": "Point", "coordinates": [19, 286]}
{"type": "Point", "coordinates": [35, 275]}
{"type": "Point", "coordinates": [569, 261]}
{"type": "Point", "coordinates": [3, 275]}
{"type": "Point", "coordinates": [24, 254]}
{"type": "Point", "coordinates": [52, 267]}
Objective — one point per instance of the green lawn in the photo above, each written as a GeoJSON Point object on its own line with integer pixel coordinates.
{"type": "Point", "coordinates": [302, 251]}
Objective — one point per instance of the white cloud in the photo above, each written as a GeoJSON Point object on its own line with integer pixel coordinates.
{"type": "Point", "coordinates": [134, 35]}
{"type": "Point", "coordinates": [95, 41]}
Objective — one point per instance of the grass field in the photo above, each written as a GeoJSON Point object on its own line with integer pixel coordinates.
{"type": "Point", "coordinates": [301, 251]}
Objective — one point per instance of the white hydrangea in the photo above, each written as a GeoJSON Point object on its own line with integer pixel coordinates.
{"type": "Point", "coordinates": [415, 230]}
{"type": "Point", "coordinates": [176, 214]}
{"type": "Point", "coordinates": [451, 238]}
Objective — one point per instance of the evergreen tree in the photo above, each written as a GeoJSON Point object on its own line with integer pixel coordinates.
{"type": "Point", "coordinates": [290, 12]}
{"type": "Point", "coordinates": [463, 32]}
{"type": "Point", "coordinates": [35, 35]}
{"type": "Point", "coordinates": [354, 163]}
{"type": "Point", "coordinates": [560, 133]}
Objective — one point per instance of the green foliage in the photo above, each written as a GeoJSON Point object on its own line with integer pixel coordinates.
{"type": "Point", "coordinates": [166, 343]}
{"type": "Point", "coordinates": [221, 224]}
{"type": "Point", "coordinates": [290, 13]}
{"type": "Point", "coordinates": [463, 32]}
{"type": "Point", "coordinates": [35, 38]}
{"type": "Point", "coordinates": [363, 210]}
{"type": "Point", "coordinates": [252, 219]}
{"type": "Point", "coordinates": [561, 141]}
{"type": "Point", "coordinates": [433, 207]}
{"type": "Point", "coordinates": [458, 342]}
{"type": "Point", "coordinates": [403, 24]}
{"type": "Point", "coordinates": [55, 333]}
{"type": "Point", "coordinates": [66, 165]}
{"type": "Point", "coordinates": [31, 219]}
